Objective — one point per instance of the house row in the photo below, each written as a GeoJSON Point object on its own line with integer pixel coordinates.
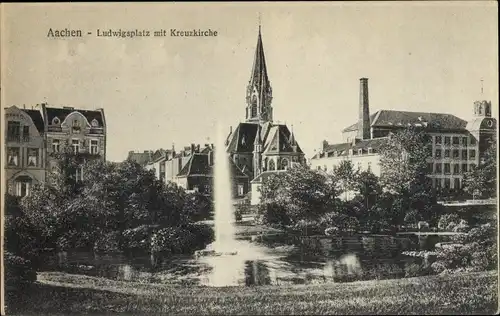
{"type": "Point", "coordinates": [34, 136]}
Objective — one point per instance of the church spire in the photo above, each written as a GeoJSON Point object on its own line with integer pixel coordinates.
{"type": "Point", "coordinates": [259, 91]}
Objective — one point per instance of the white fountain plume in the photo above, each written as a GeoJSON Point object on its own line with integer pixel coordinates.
{"type": "Point", "coordinates": [224, 211]}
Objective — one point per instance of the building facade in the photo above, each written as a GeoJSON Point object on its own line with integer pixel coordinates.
{"type": "Point", "coordinates": [75, 131]}
{"type": "Point", "coordinates": [259, 145]}
{"type": "Point", "coordinates": [457, 145]}
{"type": "Point", "coordinates": [32, 137]}
{"type": "Point", "coordinates": [24, 150]}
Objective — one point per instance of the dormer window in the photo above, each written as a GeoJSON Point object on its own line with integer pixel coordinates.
{"type": "Point", "coordinates": [56, 121]}
{"type": "Point", "coordinates": [335, 153]}
{"type": "Point", "coordinates": [76, 123]}
{"type": "Point", "coordinates": [370, 151]}
{"type": "Point", "coordinates": [360, 151]}
{"type": "Point", "coordinates": [94, 123]}
{"type": "Point", "coordinates": [351, 152]}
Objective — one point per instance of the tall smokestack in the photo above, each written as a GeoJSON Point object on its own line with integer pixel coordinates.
{"type": "Point", "coordinates": [364, 110]}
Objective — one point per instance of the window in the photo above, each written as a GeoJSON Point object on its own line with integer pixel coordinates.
{"type": "Point", "coordinates": [351, 152]}
{"type": "Point", "coordinates": [76, 123]}
{"type": "Point", "coordinates": [438, 153]}
{"type": "Point", "coordinates": [439, 168]}
{"type": "Point", "coordinates": [32, 157]}
{"type": "Point", "coordinates": [55, 145]}
{"type": "Point", "coordinates": [447, 183]}
{"type": "Point", "coordinates": [456, 153]}
{"type": "Point", "coordinates": [456, 184]}
{"type": "Point", "coordinates": [360, 151]}
{"type": "Point", "coordinates": [79, 174]}
{"type": "Point", "coordinates": [437, 140]}
{"type": "Point", "coordinates": [13, 131]}
{"type": "Point", "coordinates": [23, 185]}
{"type": "Point", "coordinates": [254, 107]}
{"type": "Point", "coordinates": [94, 123]}
{"type": "Point", "coordinates": [455, 141]}
{"type": "Point", "coordinates": [284, 164]}
{"type": "Point", "coordinates": [430, 167]}
{"type": "Point", "coordinates": [438, 183]}
{"type": "Point", "coordinates": [446, 153]}
{"type": "Point", "coordinates": [55, 121]}
{"type": "Point", "coordinates": [472, 140]}
{"type": "Point", "coordinates": [13, 157]}
{"type": "Point", "coordinates": [464, 141]}
{"type": "Point", "coordinates": [26, 133]}
{"type": "Point", "coordinates": [241, 190]}
{"type": "Point", "coordinates": [370, 151]}
{"type": "Point", "coordinates": [447, 140]}
{"type": "Point", "coordinates": [472, 154]}
{"type": "Point", "coordinates": [464, 167]}
{"type": "Point", "coordinates": [272, 165]}
{"type": "Point", "coordinates": [75, 144]}
{"type": "Point", "coordinates": [456, 168]}
{"type": "Point", "coordinates": [446, 168]}
{"type": "Point", "coordinates": [464, 154]}
{"type": "Point", "coordinates": [94, 148]}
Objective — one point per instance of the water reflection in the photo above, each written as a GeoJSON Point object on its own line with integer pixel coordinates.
{"type": "Point", "coordinates": [312, 260]}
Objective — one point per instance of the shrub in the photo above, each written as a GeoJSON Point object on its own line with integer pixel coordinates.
{"type": "Point", "coordinates": [137, 238]}
{"type": "Point", "coordinates": [415, 270]}
{"type": "Point", "coordinates": [109, 242]}
{"type": "Point", "coordinates": [448, 221]}
{"type": "Point", "coordinates": [18, 270]}
{"type": "Point", "coordinates": [181, 240]}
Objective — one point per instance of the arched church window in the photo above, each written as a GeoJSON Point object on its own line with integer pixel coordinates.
{"type": "Point", "coordinates": [272, 167]}
{"type": "Point", "coordinates": [254, 106]}
{"type": "Point", "coordinates": [284, 164]}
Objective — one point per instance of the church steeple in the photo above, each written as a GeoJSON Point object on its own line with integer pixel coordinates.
{"type": "Point", "coordinates": [259, 91]}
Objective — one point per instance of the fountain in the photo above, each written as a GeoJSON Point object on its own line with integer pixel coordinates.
{"type": "Point", "coordinates": [225, 242]}
{"type": "Point", "coordinates": [226, 256]}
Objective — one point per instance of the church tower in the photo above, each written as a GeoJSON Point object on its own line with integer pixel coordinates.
{"type": "Point", "coordinates": [259, 92]}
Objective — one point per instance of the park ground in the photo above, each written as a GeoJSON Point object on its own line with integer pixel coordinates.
{"type": "Point", "coordinates": [64, 294]}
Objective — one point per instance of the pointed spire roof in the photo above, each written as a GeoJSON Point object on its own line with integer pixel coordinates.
{"type": "Point", "coordinates": [259, 69]}
{"type": "Point", "coordinates": [292, 138]}
{"type": "Point", "coordinates": [258, 140]}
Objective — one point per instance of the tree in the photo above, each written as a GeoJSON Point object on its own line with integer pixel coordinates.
{"type": "Point", "coordinates": [481, 181]}
{"type": "Point", "coordinates": [295, 195]}
{"type": "Point", "coordinates": [344, 176]}
{"type": "Point", "coordinates": [403, 162]}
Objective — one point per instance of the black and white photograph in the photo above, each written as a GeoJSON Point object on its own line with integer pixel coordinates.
{"type": "Point", "coordinates": [249, 158]}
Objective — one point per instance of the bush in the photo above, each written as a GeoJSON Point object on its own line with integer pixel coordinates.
{"type": "Point", "coordinates": [448, 221]}
{"type": "Point", "coordinates": [18, 270]}
{"type": "Point", "coordinates": [109, 242]}
{"type": "Point", "coordinates": [474, 251]}
{"type": "Point", "coordinates": [137, 238]}
{"type": "Point", "coordinates": [415, 270]}
{"type": "Point", "coordinates": [181, 240]}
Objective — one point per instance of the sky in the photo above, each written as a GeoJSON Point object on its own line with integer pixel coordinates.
{"type": "Point", "coordinates": [157, 91]}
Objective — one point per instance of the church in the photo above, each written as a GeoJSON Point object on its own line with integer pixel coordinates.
{"type": "Point", "coordinates": [259, 147]}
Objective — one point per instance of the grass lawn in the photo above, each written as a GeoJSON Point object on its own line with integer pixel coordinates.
{"type": "Point", "coordinates": [61, 293]}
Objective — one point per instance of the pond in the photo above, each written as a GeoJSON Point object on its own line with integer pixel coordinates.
{"type": "Point", "coordinates": [266, 259]}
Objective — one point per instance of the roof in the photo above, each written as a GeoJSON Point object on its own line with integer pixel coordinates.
{"type": "Point", "coordinates": [198, 165]}
{"type": "Point", "coordinates": [61, 114]}
{"type": "Point", "coordinates": [266, 174]}
{"type": "Point", "coordinates": [392, 118]}
{"type": "Point", "coordinates": [36, 117]}
{"type": "Point", "coordinates": [342, 149]}
{"type": "Point", "coordinates": [141, 158]}
{"type": "Point", "coordinates": [274, 138]}
{"type": "Point", "coordinates": [259, 76]}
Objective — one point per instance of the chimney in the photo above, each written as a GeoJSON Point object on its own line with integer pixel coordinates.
{"type": "Point", "coordinates": [324, 144]}
{"type": "Point", "coordinates": [192, 148]}
{"type": "Point", "coordinates": [364, 110]}
{"type": "Point", "coordinates": [210, 158]}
